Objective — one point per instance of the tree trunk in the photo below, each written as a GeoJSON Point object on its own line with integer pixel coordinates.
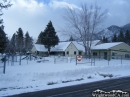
{"type": "Point", "coordinates": [89, 53]}
{"type": "Point", "coordinates": [48, 51]}
{"type": "Point", "coordinates": [86, 52]}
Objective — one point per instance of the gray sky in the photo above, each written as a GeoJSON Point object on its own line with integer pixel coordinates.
{"type": "Point", "coordinates": [34, 15]}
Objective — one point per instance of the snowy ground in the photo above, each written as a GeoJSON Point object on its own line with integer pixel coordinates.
{"type": "Point", "coordinates": [33, 76]}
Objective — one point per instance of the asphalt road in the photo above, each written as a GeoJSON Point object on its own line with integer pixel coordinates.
{"type": "Point", "coordinates": [82, 90]}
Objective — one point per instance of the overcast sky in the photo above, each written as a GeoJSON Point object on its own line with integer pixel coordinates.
{"type": "Point", "coordinates": [34, 15]}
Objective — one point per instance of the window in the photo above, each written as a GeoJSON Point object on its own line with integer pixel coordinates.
{"type": "Point", "coordinates": [80, 53]}
{"type": "Point", "coordinates": [122, 50]}
{"type": "Point", "coordinates": [113, 54]}
{"type": "Point", "coordinates": [38, 52]}
{"type": "Point", "coordinates": [67, 52]}
{"type": "Point", "coordinates": [74, 52]}
{"type": "Point", "coordinates": [94, 53]}
{"type": "Point", "coordinates": [127, 56]}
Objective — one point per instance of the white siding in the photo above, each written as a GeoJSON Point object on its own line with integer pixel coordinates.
{"type": "Point", "coordinates": [33, 49]}
{"type": "Point", "coordinates": [71, 49]}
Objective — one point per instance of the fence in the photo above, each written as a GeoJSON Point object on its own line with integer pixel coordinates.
{"type": "Point", "coordinates": [13, 58]}
{"type": "Point", "coordinates": [107, 59]}
{"type": "Point", "coordinates": [2, 63]}
{"type": "Point", "coordinates": [84, 60]}
{"type": "Point", "coordinates": [62, 59]}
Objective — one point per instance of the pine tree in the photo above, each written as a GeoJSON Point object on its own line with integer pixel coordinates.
{"type": "Point", "coordinates": [114, 39]}
{"type": "Point", "coordinates": [12, 44]}
{"type": "Point", "coordinates": [20, 40]}
{"type": "Point", "coordinates": [49, 37]}
{"type": "Point", "coordinates": [71, 38]}
{"type": "Point", "coordinates": [105, 40]}
{"type": "Point", "coordinates": [39, 38]}
{"type": "Point", "coordinates": [121, 37]}
{"type": "Point", "coordinates": [28, 42]}
{"type": "Point", "coordinates": [7, 50]}
{"type": "Point", "coordinates": [127, 37]}
{"type": "Point", "coordinates": [3, 40]}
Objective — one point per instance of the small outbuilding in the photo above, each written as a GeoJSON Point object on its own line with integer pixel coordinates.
{"type": "Point", "coordinates": [39, 49]}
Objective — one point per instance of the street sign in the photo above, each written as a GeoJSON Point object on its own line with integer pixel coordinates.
{"type": "Point", "coordinates": [79, 58]}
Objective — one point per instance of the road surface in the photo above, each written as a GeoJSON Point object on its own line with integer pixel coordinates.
{"type": "Point", "coordinates": [82, 90]}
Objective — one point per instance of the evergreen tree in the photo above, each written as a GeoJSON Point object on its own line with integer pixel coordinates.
{"type": "Point", "coordinates": [28, 42]}
{"type": "Point", "coordinates": [7, 50]}
{"type": "Point", "coordinates": [71, 38]}
{"type": "Point", "coordinates": [39, 38]}
{"type": "Point", "coordinates": [20, 40]}
{"type": "Point", "coordinates": [12, 44]}
{"type": "Point", "coordinates": [105, 40]}
{"type": "Point", "coordinates": [49, 37]}
{"type": "Point", "coordinates": [121, 37]}
{"type": "Point", "coordinates": [114, 39]}
{"type": "Point", "coordinates": [127, 37]}
{"type": "Point", "coordinates": [3, 40]}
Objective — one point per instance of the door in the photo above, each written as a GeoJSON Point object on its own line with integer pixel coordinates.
{"type": "Point", "coordinates": [63, 53]}
{"type": "Point", "coordinates": [105, 55]}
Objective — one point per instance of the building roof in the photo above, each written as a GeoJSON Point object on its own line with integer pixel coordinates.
{"type": "Point", "coordinates": [80, 47]}
{"type": "Point", "coordinates": [40, 48]}
{"type": "Point", "coordinates": [61, 46]}
{"type": "Point", "coordinates": [105, 46]}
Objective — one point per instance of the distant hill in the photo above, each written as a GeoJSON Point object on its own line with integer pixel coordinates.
{"type": "Point", "coordinates": [110, 31]}
{"type": "Point", "coordinates": [126, 27]}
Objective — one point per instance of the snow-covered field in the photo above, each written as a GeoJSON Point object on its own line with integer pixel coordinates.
{"type": "Point", "coordinates": [33, 76]}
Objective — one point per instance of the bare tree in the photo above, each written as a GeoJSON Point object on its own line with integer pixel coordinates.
{"type": "Point", "coordinates": [84, 23]}
{"type": "Point", "coordinates": [3, 5]}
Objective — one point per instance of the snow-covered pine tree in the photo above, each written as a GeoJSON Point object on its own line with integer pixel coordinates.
{"type": "Point", "coordinates": [49, 38]}
{"type": "Point", "coordinates": [71, 38]}
{"type": "Point", "coordinates": [28, 42]}
{"type": "Point", "coordinates": [39, 38]}
{"type": "Point", "coordinates": [121, 37]}
{"type": "Point", "coordinates": [114, 38]}
{"type": "Point", "coordinates": [12, 44]}
{"type": "Point", "coordinates": [127, 37]}
{"type": "Point", "coordinates": [20, 40]}
{"type": "Point", "coordinates": [3, 40]}
{"type": "Point", "coordinates": [105, 40]}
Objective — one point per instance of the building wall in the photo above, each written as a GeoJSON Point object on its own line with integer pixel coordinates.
{"type": "Point", "coordinates": [71, 50]}
{"type": "Point", "coordinates": [103, 54]}
{"type": "Point", "coordinates": [33, 50]}
{"type": "Point", "coordinates": [121, 47]}
{"type": "Point", "coordinates": [83, 53]}
{"type": "Point", "coordinates": [39, 53]}
{"type": "Point", "coordinates": [116, 52]}
{"type": "Point", "coordinates": [123, 51]}
{"type": "Point", "coordinates": [60, 53]}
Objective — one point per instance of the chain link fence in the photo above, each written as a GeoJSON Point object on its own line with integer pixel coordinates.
{"type": "Point", "coordinates": [2, 63]}
{"type": "Point", "coordinates": [60, 59]}
{"type": "Point", "coordinates": [106, 60]}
